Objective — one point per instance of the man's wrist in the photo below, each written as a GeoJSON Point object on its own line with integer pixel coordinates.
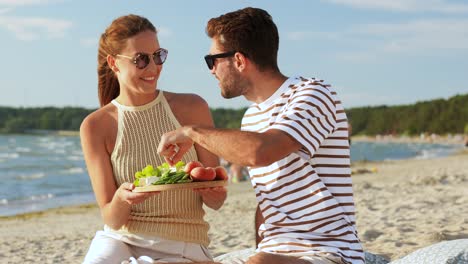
{"type": "Point", "coordinates": [189, 131]}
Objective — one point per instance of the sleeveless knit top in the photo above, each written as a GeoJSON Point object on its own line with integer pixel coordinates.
{"type": "Point", "coordinates": [175, 215]}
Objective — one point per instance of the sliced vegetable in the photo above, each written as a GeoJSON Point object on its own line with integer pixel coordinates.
{"type": "Point", "coordinates": [163, 174]}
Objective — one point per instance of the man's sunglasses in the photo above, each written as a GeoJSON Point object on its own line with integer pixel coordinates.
{"type": "Point", "coordinates": [210, 59]}
{"type": "Point", "coordinates": [141, 60]}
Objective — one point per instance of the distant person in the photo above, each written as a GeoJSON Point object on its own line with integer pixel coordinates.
{"type": "Point", "coordinates": [294, 139]}
{"type": "Point", "coordinates": [118, 140]}
{"type": "Point", "coordinates": [236, 172]}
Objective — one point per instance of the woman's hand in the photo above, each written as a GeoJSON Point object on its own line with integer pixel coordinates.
{"type": "Point", "coordinates": [212, 197]}
{"type": "Point", "coordinates": [124, 194]}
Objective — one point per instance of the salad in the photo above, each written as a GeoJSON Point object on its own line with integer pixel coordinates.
{"type": "Point", "coordinates": [163, 174]}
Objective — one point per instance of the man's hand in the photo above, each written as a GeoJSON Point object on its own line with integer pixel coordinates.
{"type": "Point", "coordinates": [175, 144]}
{"type": "Point", "coordinates": [212, 197]}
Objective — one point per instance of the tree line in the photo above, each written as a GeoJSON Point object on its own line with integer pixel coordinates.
{"type": "Point", "coordinates": [440, 116]}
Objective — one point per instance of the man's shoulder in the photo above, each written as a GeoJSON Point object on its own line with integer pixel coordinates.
{"type": "Point", "coordinates": [311, 90]}
{"type": "Point", "coordinates": [302, 84]}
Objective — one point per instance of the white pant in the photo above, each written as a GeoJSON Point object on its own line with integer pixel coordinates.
{"type": "Point", "coordinates": [107, 248]}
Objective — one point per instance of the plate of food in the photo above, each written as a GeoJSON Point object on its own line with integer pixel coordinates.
{"type": "Point", "coordinates": [181, 176]}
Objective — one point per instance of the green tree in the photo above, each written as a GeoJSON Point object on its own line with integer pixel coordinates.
{"type": "Point", "coordinates": [15, 125]}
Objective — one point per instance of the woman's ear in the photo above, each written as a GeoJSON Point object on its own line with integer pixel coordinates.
{"type": "Point", "coordinates": [112, 63]}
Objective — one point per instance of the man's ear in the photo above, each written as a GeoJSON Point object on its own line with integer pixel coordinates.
{"type": "Point", "coordinates": [112, 63]}
{"type": "Point", "coordinates": [240, 61]}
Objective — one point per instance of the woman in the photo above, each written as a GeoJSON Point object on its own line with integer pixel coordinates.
{"type": "Point", "coordinates": [121, 138]}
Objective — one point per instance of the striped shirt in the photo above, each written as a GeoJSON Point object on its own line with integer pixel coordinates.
{"type": "Point", "coordinates": [306, 198]}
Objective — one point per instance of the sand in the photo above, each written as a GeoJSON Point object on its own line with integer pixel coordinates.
{"type": "Point", "coordinates": [410, 204]}
{"type": "Point", "coordinates": [401, 206]}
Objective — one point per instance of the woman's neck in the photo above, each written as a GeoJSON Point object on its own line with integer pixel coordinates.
{"type": "Point", "coordinates": [132, 99]}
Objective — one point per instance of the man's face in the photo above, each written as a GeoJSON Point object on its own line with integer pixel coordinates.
{"type": "Point", "coordinates": [231, 81]}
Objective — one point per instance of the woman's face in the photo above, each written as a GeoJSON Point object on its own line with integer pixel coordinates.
{"type": "Point", "coordinates": [139, 81]}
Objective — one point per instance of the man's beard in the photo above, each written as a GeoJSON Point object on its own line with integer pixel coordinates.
{"type": "Point", "coordinates": [234, 85]}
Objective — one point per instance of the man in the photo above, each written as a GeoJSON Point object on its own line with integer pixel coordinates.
{"type": "Point", "coordinates": [294, 140]}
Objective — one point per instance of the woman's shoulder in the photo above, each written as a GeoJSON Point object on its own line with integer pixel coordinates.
{"type": "Point", "coordinates": [100, 119]}
{"type": "Point", "coordinates": [185, 101]}
{"type": "Point", "coordinates": [190, 99]}
{"type": "Point", "coordinates": [188, 108]}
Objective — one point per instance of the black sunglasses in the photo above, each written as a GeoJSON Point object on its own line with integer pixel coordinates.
{"type": "Point", "coordinates": [141, 60]}
{"type": "Point", "coordinates": [210, 59]}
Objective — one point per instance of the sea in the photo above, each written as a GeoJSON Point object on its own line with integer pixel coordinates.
{"type": "Point", "coordinates": [39, 172]}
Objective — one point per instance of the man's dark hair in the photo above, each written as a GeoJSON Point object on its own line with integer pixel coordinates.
{"type": "Point", "coordinates": [250, 31]}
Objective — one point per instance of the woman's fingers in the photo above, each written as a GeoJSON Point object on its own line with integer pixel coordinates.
{"type": "Point", "coordinates": [127, 186]}
{"type": "Point", "coordinates": [134, 197]}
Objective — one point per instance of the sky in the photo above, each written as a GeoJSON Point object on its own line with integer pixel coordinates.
{"type": "Point", "coordinates": [373, 52]}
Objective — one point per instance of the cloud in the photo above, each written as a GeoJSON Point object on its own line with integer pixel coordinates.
{"type": "Point", "coordinates": [89, 42]}
{"type": "Point", "coordinates": [24, 2]}
{"type": "Point", "coordinates": [164, 31]}
{"type": "Point", "coordinates": [435, 34]}
{"type": "Point", "coordinates": [439, 6]}
{"type": "Point", "coordinates": [31, 28]}
{"type": "Point", "coordinates": [370, 42]}
{"type": "Point", "coordinates": [303, 35]}
{"type": "Point", "coordinates": [5, 10]}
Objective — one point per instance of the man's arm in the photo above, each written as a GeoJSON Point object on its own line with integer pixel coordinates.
{"type": "Point", "coordinates": [190, 110]}
{"type": "Point", "coordinates": [240, 147]}
{"type": "Point", "coordinates": [258, 222]}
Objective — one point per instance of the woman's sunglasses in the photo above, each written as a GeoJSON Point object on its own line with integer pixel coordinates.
{"type": "Point", "coordinates": [210, 59]}
{"type": "Point", "coordinates": [141, 60]}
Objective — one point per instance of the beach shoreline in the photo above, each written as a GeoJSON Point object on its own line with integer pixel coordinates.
{"type": "Point", "coordinates": [457, 139]}
{"type": "Point", "coordinates": [401, 206]}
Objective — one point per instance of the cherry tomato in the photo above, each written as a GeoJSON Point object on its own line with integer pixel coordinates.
{"type": "Point", "coordinates": [221, 173]}
{"type": "Point", "coordinates": [192, 165]}
{"type": "Point", "coordinates": [203, 174]}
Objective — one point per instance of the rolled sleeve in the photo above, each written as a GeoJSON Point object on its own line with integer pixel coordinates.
{"type": "Point", "coordinates": [309, 118]}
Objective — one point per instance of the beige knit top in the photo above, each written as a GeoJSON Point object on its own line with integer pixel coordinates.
{"type": "Point", "coordinates": [176, 215]}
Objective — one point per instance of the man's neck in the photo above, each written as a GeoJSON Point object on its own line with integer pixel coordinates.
{"type": "Point", "coordinates": [264, 85]}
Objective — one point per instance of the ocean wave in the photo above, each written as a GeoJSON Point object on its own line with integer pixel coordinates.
{"type": "Point", "coordinates": [55, 143]}
{"type": "Point", "coordinates": [74, 170]}
{"type": "Point", "coordinates": [60, 151]}
{"type": "Point", "coordinates": [9, 155]}
{"type": "Point", "coordinates": [434, 153]}
{"type": "Point", "coordinates": [78, 152]}
{"type": "Point", "coordinates": [398, 150]}
{"type": "Point", "coordinates": [43, 202]}
{"type": "Point", "coordinates": [75, 158]}
{"type": "Point", "coordinates": [23, 149]}
{"type": "Point", "coordinates": [40, 197]}
{"type": "Point", "coordinates": [30, 176]}
{"type": "Point", "coordinates": [27, 199]}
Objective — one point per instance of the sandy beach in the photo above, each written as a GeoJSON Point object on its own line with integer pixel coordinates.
{"type": "Point", "coordinates": [401, 206]}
